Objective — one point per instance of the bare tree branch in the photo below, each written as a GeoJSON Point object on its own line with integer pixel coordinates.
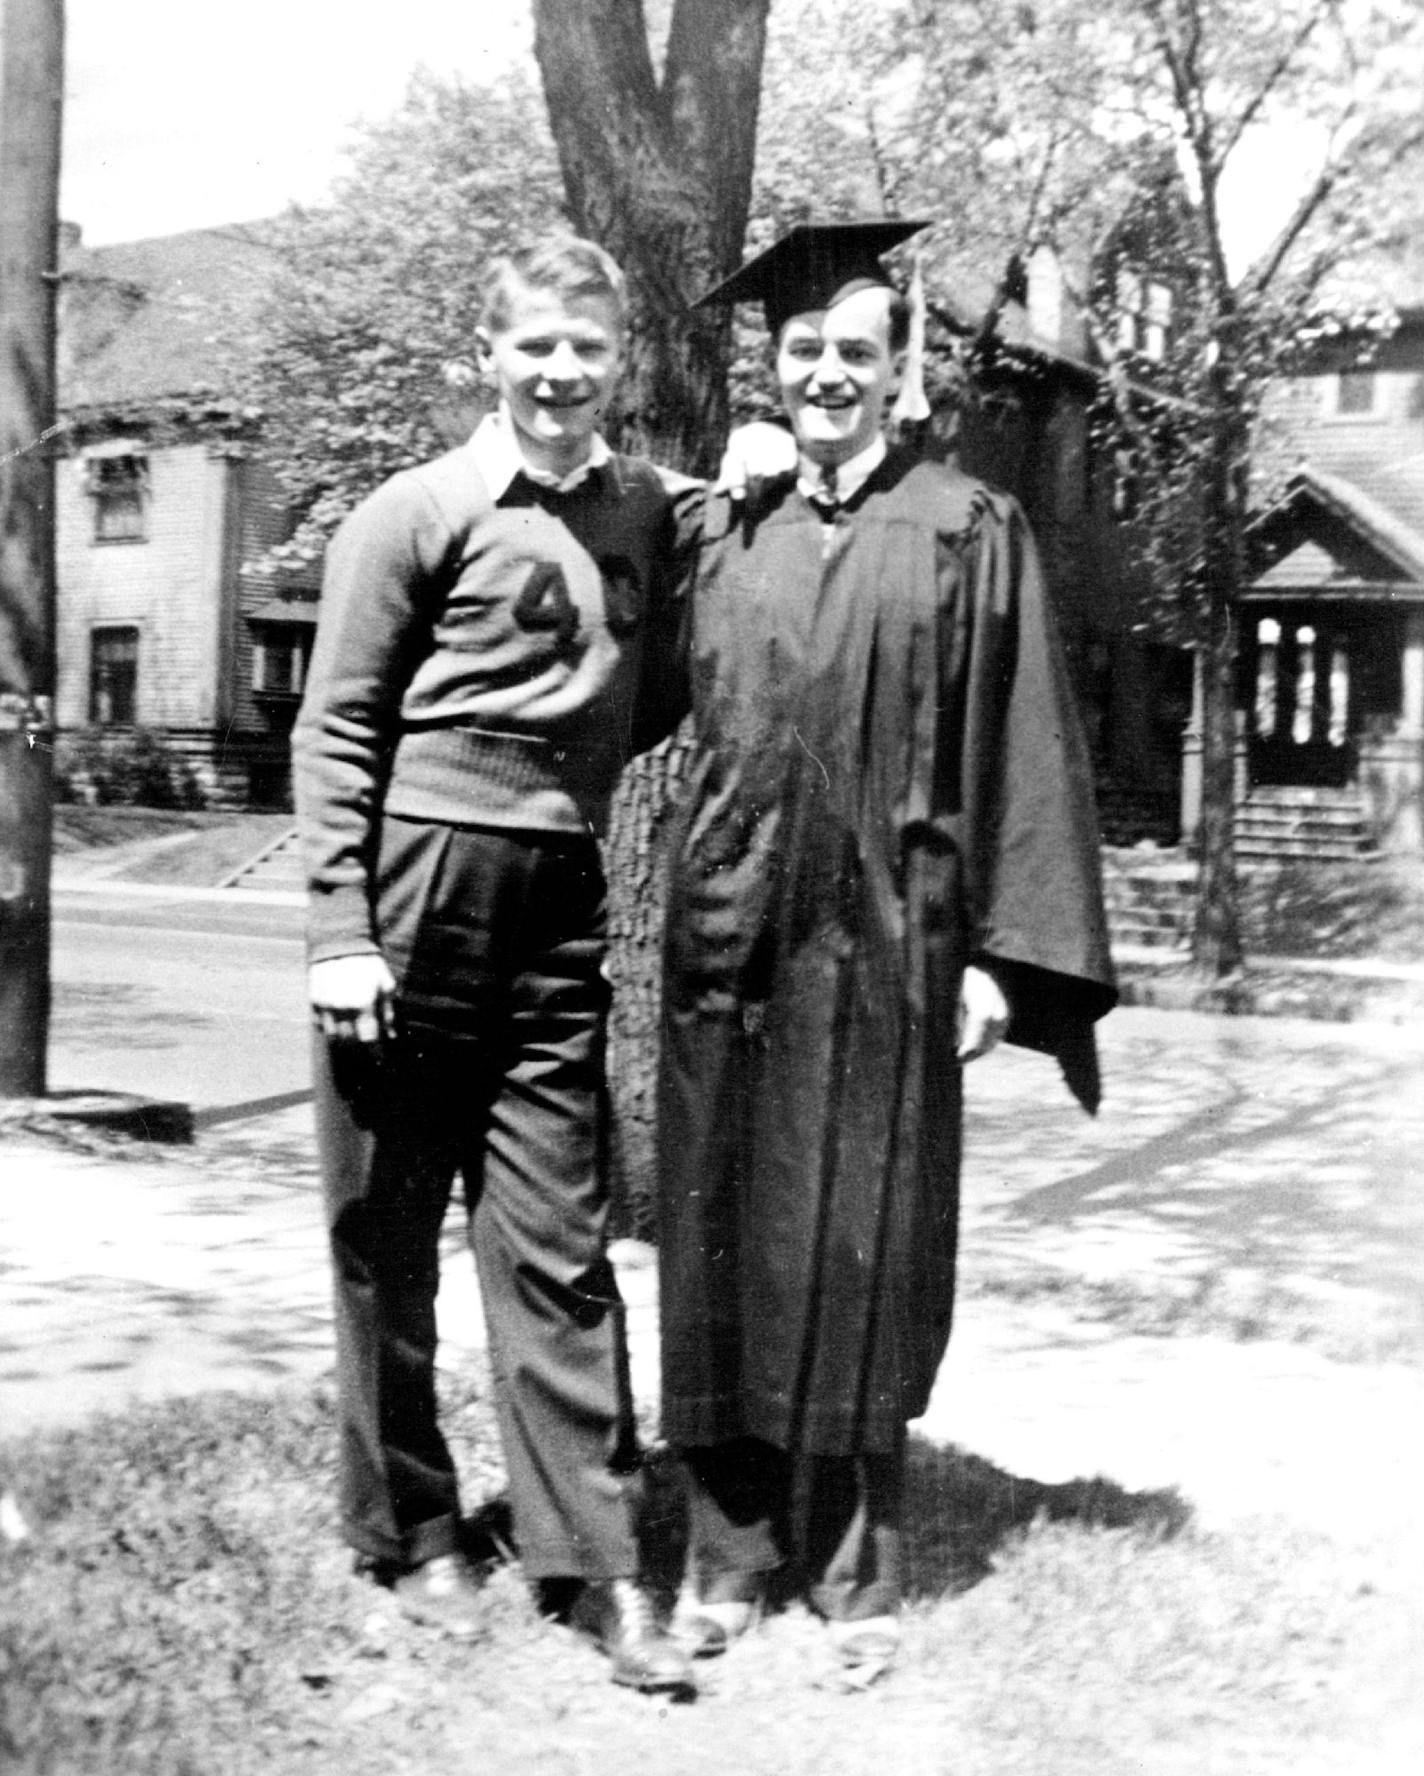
{"type": "Point", "coordinates": [1277, 72]}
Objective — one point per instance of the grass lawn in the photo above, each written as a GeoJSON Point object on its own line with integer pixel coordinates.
{"type": "Point", "coordinates": [181, 848]}
{"type": "Point", "coordinates": [182, 1607]}
{"type": "Point", "coordinates": [1342, 909]}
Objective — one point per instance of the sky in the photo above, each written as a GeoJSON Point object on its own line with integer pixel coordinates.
{"type": "Point", "coordinates": [183, 114]}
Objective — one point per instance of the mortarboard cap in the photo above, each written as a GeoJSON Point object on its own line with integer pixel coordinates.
{"type": "Point", "coordinates": [813, 266]}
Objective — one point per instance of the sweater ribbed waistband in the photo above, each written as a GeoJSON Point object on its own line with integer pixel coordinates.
{"type": "Point", "coordinates": [480, 777]}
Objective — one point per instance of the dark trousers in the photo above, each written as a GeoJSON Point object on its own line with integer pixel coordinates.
{"type": "Point", "coordinates": [497, 943]}
{"type": "Point", "coordinates": [834, 1520]}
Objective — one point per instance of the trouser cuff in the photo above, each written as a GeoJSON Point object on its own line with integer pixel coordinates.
{"type": "Point", "coordinates": [847, 1601]}
{"type": "Point", "coordinates": [578, 1563]}
{"type": "Point", "coordinates": [422, 1542]}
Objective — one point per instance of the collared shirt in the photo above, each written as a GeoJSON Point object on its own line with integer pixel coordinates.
{"type": "Point", "coordinates": [499, 459]}
{"type": "Point", "coordinates": [851, 476]}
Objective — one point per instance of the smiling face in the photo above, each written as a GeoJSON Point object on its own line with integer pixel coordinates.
{"type": "Point", "coordinates": [556, 360]}
{"type": "Point", "coordinates": [837, 371]}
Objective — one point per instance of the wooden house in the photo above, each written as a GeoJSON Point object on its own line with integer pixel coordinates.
{"type": "Point", "coordinates": [1332, 668]}
{"type": "Point", "coordinates": [1029, 427]}
{"type": "Point", "coordinates": [161, 503]}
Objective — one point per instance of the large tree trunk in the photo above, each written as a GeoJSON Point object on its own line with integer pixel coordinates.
{"type": "Point", "coordinates": [659, 173]}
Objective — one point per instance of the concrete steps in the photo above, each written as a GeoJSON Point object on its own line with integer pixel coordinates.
{"type": "Point", "coordinates": [277, 865]}
{"type": "Point", "coordinates": [1149, 901]}
{"type": "Point", "coordinates": [1322, 825]}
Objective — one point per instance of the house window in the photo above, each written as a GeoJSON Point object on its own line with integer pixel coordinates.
{"type": "Point", "coordinates": [1126, 485]}
{"type": "Point", "coordinates": [118, 485]}
{"type": "Point", "coordinates": [113, 676]}
{"type": "Point", "coordinates": [281, 653]}
{"type": "Point", "coordinates": [1144, 315]}
{"type": "Point", "coordinates": [1355, 392]}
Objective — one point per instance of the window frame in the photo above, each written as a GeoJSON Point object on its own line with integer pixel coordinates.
{"type": "Point", "coordinates": [1144, 307]}
{"type": "Point", "coordinates": [117, 483]}
{"type": "Point", "coordinates": [101, 671]}
{"type": "Point", "coordinates": [274, 637]}
{"type": "Point", "coordinates": [1362, 379]}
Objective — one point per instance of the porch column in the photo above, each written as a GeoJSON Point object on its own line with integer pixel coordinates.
{"type": "Point", "coordinates": [1411, 710]}
{"type": "Point", "coordinates": [1406, 830]}
{"type": "Point", "coordinates": [1392, 766]}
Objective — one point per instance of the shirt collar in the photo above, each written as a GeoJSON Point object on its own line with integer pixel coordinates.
{"type": "Point", "coordinates": [851, 476]}
{"type": "Point", "coordinates": [499, 459]}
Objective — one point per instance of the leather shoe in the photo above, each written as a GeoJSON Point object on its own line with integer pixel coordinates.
{"type": "Point", "coordinates": [440, 1593]}
{"type": "Point", "coordinates": [708, 1628]}
{"type": "Point", "coordinates": [617, 1615]}
{"type": "Point", "coordinates": [873, 1640]}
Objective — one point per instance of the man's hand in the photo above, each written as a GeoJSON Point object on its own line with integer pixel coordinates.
{"type": "Point", "coordinates": [756, 452]}
{"type": "Point", "coordinates": [352, 998]}
{"type": "Point", "coordinates": [983, 1014]}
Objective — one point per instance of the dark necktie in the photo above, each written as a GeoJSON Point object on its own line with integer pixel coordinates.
{"type": "Point", "coordinates": [824, 498]}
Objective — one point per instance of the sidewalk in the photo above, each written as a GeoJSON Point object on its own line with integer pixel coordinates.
{"type": "Point", "coordinates": [1247, 1175]}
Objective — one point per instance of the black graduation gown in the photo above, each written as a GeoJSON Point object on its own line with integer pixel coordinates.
{"type": "Point", "coordinates": [888, 780]}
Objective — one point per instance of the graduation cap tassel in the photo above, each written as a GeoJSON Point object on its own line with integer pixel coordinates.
{"type": "Point", "coordinates": [912, 407]}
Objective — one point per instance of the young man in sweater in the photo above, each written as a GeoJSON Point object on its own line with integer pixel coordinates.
{"type": "Point", "coordinates": [474, 692]}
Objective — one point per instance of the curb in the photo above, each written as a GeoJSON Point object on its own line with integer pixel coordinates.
{"type": "Point", "coordinates": [285, 897]}
{"type": "Point", "coordinates": [1271, 987]}
{"type": "Point", "coordinates": [1327, 989]}
{"type": "Point", "coordinates": [164, 1120]}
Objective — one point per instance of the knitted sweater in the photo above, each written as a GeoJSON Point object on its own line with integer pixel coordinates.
{"type": "Point", "coordinates": [482, 663]}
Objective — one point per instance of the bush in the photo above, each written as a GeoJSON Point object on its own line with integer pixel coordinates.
{"type": "Point", "coordinates": [135, 769]}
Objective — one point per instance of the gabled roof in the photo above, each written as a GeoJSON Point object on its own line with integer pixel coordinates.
{"type": "Point", "coordinates": [1397, 487]}
{"type": "Point", "coordinates": [1324, 530]}
{"type": "Point", "coordinates": [150, 321]}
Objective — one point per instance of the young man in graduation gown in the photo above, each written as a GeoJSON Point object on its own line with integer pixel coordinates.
{"type": "Point", "coordinates": [886, 859]}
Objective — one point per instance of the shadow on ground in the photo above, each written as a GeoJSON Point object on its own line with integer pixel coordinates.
{"type": "Point", "coordinates": [1291, 1173]}
{"type": "Point", "coordinates": [961, 1512]}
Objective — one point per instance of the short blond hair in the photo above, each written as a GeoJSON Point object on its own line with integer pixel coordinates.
{"type": "Point", "coordinates": [567, 265]}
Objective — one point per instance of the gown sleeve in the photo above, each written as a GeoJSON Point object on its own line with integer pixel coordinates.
{"type": "Point", "coordinates": [1034, 870]}
{"type": "Point", "coordinates": [664, 690]}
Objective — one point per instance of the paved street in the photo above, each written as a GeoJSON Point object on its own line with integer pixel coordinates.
{"type": "Point", "coordinates": [1243, 1174]}
{"type": "Point", "coordinates": [195, 997]}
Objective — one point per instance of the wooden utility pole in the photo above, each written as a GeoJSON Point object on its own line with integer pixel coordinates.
{"type": "Point", "coordinates": [31, 91]}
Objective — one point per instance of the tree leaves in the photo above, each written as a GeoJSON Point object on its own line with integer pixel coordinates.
{"type": "Point", "coordinates": [366, 360]}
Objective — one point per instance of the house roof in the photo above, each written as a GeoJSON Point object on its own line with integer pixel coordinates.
{"type": "Point", "coordinates": [1378, 544]}
{"type": "Point", "coordinates": [148, 321]}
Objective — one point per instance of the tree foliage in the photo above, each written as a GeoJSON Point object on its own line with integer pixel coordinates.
{"type": "Point", "coordinates": [1204, 76]}
{"type": "Point", "coordinates": [366, 364]}
{"type": "Point", "coordinates": [1106, 136]}
{"type": "Point", "coordinates": [1111, 138]}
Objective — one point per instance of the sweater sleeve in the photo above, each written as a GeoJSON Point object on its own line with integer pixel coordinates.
{"type": "Point", "coordinates": [383, 569]}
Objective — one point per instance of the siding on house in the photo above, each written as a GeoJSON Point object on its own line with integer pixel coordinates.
{"type": "Point", "coordinates": [168, 586]}
{"type": "Point", "coordinates": [264, 521]}
{"type": "Point", "coordinates": [1340, 547]}
{"type": "Point", "coordinates": [147, 330]}
{"type": "Point", "coordinates": [1380, 451]}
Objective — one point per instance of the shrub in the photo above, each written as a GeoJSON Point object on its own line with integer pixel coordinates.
{"type": "Point", "coordinates": [135, 768]}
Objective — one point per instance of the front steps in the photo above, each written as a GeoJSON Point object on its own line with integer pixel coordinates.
{"type": "Point", "coordinates": [275, 866]}
{"type": "Point", "coordinates": [1317, 825]}
{"type": "Point", "coordinates": [1149, 900]}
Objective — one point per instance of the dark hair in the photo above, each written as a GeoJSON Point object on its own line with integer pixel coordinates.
{"type": "Point", "coordinates": [898, 325]}
{"type": "Point", "coordinates": [900, 313]}
{"type": "Point", "coordinates": [566, 265]}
